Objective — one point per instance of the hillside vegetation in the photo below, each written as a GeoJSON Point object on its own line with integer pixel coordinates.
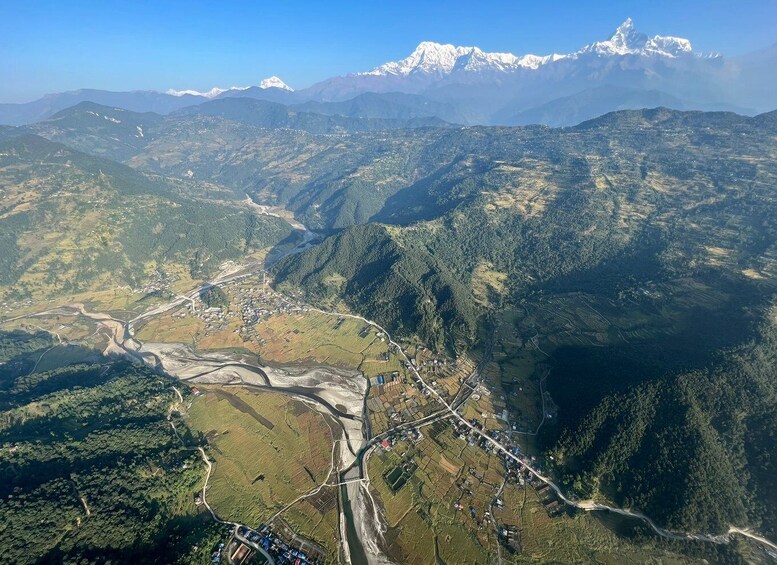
{"type": "Point", "coordinates": [92, 470]}
{"type": "Point", "coordinates": [408, 289]}
{"type": "Point", "coordinates": [692, 449]}
{"type": "Point", "coordinates": [677, 420]}
{"type": "Point", "coordinates": [70, 222]}
{"type": "Point", "coordinates": [664, 220]}
{"type": "Point", "coordinates": [631, 198]}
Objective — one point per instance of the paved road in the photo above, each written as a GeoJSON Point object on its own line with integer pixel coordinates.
{"type": "Point", "coordinates": [587, 505]}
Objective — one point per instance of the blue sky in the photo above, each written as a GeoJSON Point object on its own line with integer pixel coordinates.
{"type": "Point", "coordinates": [52, 46]}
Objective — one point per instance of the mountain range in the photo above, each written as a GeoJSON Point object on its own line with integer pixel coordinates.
{"type": "Point", "coordinates": [469, 86]}
{"type": "Point", "coordinates": [639, 247]}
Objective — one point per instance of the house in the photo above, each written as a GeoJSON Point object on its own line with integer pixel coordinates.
{"type": "Point", "coordinates": [240, 554]}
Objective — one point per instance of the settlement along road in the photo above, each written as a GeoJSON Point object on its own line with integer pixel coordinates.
{"type": "Point", "coordinates": [587, 505]}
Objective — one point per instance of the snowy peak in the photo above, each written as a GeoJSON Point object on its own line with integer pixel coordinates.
{"type": "Point", "coordinates": [439, 60]}
{"type": "Point", "coordinates": [271, 82]}
{"type": "Point", "coordinates": [212, 93]}
{"type": "Point", "coordinates": [428, 58]}
{"type": "Point", "coordinates": [275, 82]}
{"type": "Point", "coordinates": [669, 46]}
{"type": "Point", "coordinates": [628, 41]}
{"type": "Point", "coordinates": [626, 37]}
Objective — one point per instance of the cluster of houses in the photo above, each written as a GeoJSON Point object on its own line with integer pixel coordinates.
{"type": "Point", "coordinates": [253, 304]}
{"type": "Point", "coordinates": [516, 471]}
{"type": "Point", "coordinates": [247, 542]}
{"type": "Point", "coordinates": [412, 434]}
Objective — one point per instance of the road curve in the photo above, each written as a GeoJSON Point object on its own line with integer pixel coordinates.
{"type": "Point", "coordinates": [586, 505]}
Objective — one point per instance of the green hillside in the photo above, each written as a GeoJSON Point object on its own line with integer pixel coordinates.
{"type": "Point", "coordinates": [406, 288]}
{"type": "Point", "coordinates": [666, 221]}
{"type": "Point", "coordinates": [588, 217]}
{"type": "Point", "coordinates": [635, 255]}
{"type": "Point", "coordinates": [694, 449]}
{"type": "Point", "coordinates": [92, 471]}
{"type": "Point", "coordinates": [93, 128]}
{"type": "Point", "coordinates": [71, 222]}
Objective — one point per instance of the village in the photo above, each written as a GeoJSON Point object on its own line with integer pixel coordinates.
{"type": "Point", "coordinates": [399, 405]}
{"type": "Point", "coordinates": [246, 546]}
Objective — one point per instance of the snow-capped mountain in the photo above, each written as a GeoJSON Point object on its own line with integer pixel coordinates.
{"type": "Point", "coordinates": [623, 71]}
{"type": "Point", "coordinates": [269, 82]}
{"type": "Point", "coordinates": [212, 93]}
{"type": "Point", "coordinates": [274, 82]}
{"type": "Point", "coordinates": [628, 41]}
{"type": "Point", "coordinates": [440, 60]}
{"type": "Point", "coordinates": [488, 86]}
{"type": "Point", "coordinates": [431, 58]}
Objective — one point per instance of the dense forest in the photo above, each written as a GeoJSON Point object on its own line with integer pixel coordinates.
{"type": "Point", "coordinates": [214, 297]}
{"type": "Point", "coordinates": [694, 450]}
{"type": "Point", "coordinates": [411, 292]}
{"type": "Point", "coordinates": [92, 470]}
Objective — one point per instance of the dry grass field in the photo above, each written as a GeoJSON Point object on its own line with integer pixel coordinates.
{"type": "Point", "coordinates": [268, 450]}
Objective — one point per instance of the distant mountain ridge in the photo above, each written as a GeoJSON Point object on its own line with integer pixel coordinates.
{"type": "Point", "coordinates": [437, 59]}
{"type": "Point", "coordinates": [471, 86]}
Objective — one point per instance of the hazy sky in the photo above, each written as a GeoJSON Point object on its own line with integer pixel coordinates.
{"type": "Point", "coordinates": [136, 44]}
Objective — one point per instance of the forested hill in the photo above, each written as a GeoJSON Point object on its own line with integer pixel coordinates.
{"type": "Point", "coordinates": [707, 437]}
{"type": "Point", "coordinates": [666, 219]}
{"type": "Point", "coordinates": [407, 288]}
{"type": "Point", "coordinates": [92, 470]}
{"type": "Point", "coordinates": [71, 222]}
{"type": "Point", "coordinates": [629, 198]}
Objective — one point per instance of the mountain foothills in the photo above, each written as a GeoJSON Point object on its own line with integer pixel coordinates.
{"type": "Point", "coordinates": [71, 223]}
{"type": "Point", "coordinates": [467, 85]}
{"type": "Point", "coordinates": [91, 437]}
{"type": "Point", "coordinates": [634, 209]}
{"type": "Point", "coordinates": [604, 292]}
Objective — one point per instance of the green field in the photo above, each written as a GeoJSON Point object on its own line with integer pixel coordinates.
{"type": "Point", "coordinates": [268, 450]}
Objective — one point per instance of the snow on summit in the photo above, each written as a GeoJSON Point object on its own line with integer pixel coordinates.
{"type": "Point", "coordinates": [441, 59]}
{"type": "Point", "coordinates": [212, 93]}
{"type": "Point", "coordinates": [275, 82]}
{"type": "Point", "coordinates": [271, 82]}
{"type": "Point", "coordinates": [628, 41]}
{"type": "Point", "coordinates": [438, 59]}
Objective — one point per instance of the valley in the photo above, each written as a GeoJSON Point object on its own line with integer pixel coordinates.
{"type": "Point", "coordinates": [409, 344]}
{"type": "Point", "coordinates": [505, 300]}
{"type": "Point", "coordinates": [280, 358]}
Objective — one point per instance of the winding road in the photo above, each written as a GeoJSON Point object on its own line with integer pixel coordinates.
{"type": "Point", "coordinates": [586, 505]}
{"type": "Point", "coordinates": [122, 332]}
